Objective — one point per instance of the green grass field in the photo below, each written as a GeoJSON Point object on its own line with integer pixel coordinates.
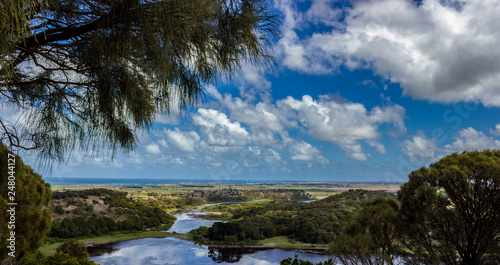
{"type": "Point", "coordinates": [315, 189]}
{"type": "Point", "coordinates": [50, 249]}
{"type": "Point", "coordinates": [285, 243]}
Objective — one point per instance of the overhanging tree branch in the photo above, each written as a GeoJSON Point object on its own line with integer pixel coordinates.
{"type": "Point", "coordinates": [107, 67]}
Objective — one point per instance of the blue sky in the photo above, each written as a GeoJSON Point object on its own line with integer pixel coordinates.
{"type": "Point", "coordinates": [361, 91]}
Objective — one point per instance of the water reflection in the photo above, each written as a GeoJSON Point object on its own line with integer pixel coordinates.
{"type": "Point", "coordinates": [154, 251]}
{"type": "Point", "coordinates": [177, 251]}
{"type": "Point", "coordinates": [98, 250]}
{"type": "Point", "coordinates": [172, 250]}
{"type": "Point", "coordinates": [187, 221]}
{"type": "Point", "coordinates": [229, 255]}
{"type": "Point", "coordinates": [221, 256]}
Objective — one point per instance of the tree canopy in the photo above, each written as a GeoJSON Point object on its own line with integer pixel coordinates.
{"type": "Point", "coordinates": [74, 248]}
{"type": "Point", "coordinates": [91, 73]}
{"type": "Point", "coordinates": [32, 219]}
{"type": "Point", "coordinates": [372, 237]}
{"type": "Point", "coordinates": [451, 210]}
{"type": "Point", "coordinates": [448, 213]}
{"type": "Point", "coordinates": [58, 258]}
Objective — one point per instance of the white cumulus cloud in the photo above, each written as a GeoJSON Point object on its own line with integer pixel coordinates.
{"type": "Point", "coordinates": [184, 141]}
{"type": "Point", "coordinates": [304, 152]}
{"type": "Point", "coordinates": [420, 147]}
{"type": "Point", "coordinates": [496, 131]}
{"type": "Point", "coordinates": [444, 51]}
{"type": "Point", "coordinates": [152, 148]}
{"type": "Point", "coordinates": [261, 115]}
{"type": "Point", "coordinates": [469, 140]}
{"type": "Point", "coordinates": [217, 129]}
{"type": "Point", "coordinates": [345, 123]}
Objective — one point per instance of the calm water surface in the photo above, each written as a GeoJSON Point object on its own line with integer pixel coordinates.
{"type": "Point", "coordinates": [171, 250]}
{"type": "Point", "coordinates": [187, 221]}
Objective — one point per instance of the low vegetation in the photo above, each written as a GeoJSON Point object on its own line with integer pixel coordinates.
{"type": "Point", "coordinates": [50, 247]}
{"type": "Point", "coordinates": [98, 212]}
{"type": "Point", "coordinates": [297, 261]}
{"type": "Point", "coordinates": [58, 259]}
{"type": "Point", "coordinates": [201, 197]}
{"type": "Point", "coordinates": [241, 195]}
{"type": "Point", "coordinates": [315, 222]}
{"type": "Point", "coordinates": [447, 213]}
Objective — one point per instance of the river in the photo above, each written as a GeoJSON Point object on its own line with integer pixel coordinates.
{"type": "Point", "coordinates": [187, 221]}
{"type": "Point", "coordinates": [171, 250]}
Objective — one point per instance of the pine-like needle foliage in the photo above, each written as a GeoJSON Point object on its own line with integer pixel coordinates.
{"type": "Point", "coordinates": [90, 73]}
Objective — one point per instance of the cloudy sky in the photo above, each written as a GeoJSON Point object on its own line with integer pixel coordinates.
{"type": "Point", "coordinates": [361, 91]}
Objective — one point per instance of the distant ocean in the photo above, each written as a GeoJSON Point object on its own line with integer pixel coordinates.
{"type": "Point", "coordinates": [140, 181]}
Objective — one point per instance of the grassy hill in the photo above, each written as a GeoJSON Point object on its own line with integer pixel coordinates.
{"type": "Point", "coordinates": [316, 222]}
{"type": "Point", "coordinates": [96, 212]}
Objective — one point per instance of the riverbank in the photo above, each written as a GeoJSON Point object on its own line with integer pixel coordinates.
{"type": "Point", "coordinates": [50, 249]}
{"type": "Point", "coordinates": [281, 242]}
{"type": "Point", "coordinates": [196, 218]}
{"type": "Point", "coordinates": [271, 243]}
{"type": "Point", "coordinates": [178, 251]}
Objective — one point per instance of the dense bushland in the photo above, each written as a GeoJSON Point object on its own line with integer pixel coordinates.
{"type": "Point", "coordinates": [316, 222]}
{"type": "Point", "coordinates": [121, 213]}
